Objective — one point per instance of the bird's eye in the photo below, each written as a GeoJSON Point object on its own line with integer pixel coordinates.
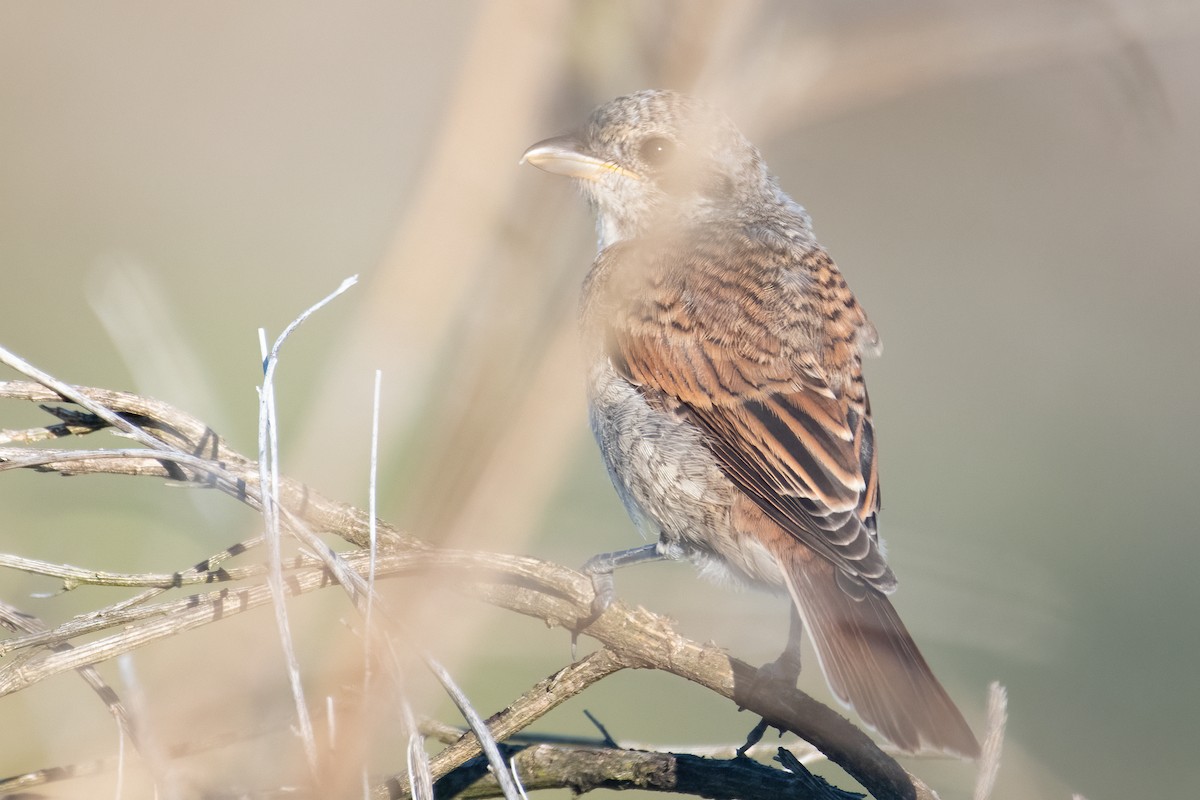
{"type": "Point", "coordinates": [656, 151]}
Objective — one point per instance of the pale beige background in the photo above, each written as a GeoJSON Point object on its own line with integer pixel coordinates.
{"type": "Point", "coordinates": [1012, 191]}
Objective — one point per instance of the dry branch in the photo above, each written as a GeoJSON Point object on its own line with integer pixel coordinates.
{"type": "Point", "coordinates": [582, 769]}
{"type": "Point", "coordinates": [630, 638]}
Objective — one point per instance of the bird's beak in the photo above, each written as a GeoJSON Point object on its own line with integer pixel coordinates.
{"type": "Point", "coordinates": [565, 155]}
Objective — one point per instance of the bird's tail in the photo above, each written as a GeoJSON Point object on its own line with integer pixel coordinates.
{"type": "Point", "coordinates": [872, 663]}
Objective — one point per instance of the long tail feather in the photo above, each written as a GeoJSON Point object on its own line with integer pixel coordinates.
{"type": "Point", "coordinates": [872, 663]}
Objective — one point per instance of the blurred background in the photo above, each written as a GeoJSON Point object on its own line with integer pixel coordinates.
{"type": "Point", "coordinates": [1011, 189]}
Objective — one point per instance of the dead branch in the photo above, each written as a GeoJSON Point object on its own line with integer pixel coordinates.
{"type": "Point", "coordinates": [630, 638]}
{"type": "Point", "coordinates": [582, 769]}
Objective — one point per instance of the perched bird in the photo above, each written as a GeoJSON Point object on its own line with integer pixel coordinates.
{"type": "Point", "coordinates": [726, 393]}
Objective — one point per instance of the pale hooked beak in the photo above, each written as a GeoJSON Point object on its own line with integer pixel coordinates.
{"type": "Point", "coordinates": [564, 155]}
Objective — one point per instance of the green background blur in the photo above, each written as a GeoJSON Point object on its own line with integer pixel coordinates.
{"type": "Point", "coordinates": [1013, 192]}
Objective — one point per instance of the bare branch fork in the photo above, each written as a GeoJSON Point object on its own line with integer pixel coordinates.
{"type": "Point", "coordinates": [182, 448]}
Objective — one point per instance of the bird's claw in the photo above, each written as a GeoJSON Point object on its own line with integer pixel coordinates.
{"type": "Point", "coordinates": [753, 738]}
{"type": "Point", "coordinates": [604, 591]}
{"type": "Point", "coordinates": [783, 671]}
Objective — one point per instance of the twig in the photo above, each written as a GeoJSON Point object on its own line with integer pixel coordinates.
{"type": "Point", "coordinates": [68, 392]}
{"type": "Point", "coordinates": [74, 577]}
{"type": "Point", "coordinates": [416, 758]}
{"type": "Point", "coordinates": [993, 742]}
{"type": "Point", "coordinates": [16, 620]}
{"type": "Point", "coordinates": [192, 436]}
{"type": "Point", "coordinates": [531, 706]}
{"type": "Point", "coordinates": [268, 475]}
{"type": "Point", "coordinates": [203, 572]}
{"type": "Point", "coordinates": [481, 730]}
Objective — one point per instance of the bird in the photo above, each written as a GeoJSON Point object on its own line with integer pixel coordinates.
{"type": "Point", "coordinates": [724, 351]}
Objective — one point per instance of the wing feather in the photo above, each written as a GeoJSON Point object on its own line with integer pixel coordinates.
{"type": "Point", "coordinates": [801, 450]}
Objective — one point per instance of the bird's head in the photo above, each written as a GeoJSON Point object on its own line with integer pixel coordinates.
{"type": "Point", "coordinates": [657, 161]}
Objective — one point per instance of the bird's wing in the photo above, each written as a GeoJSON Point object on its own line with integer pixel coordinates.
{"type": "Point", "coordinates": [699, 341]}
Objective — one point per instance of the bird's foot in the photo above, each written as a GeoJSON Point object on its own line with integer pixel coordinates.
{"type": "Point", "coordinates": [604, 593]}
{"type": "Point", "coordinates": [783, 672]}
{"type": "Point", "coordinates": [774, 676]}
{"type": "Point", "coordinates": [753, 738]}
{"type": "Point", "coordinates": [600, 569]}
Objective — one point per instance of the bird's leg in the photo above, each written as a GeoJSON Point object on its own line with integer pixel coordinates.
{"type": "Point", "coordinates": [600, 569]}
{"type": "Point", "coordinates": [753, 737]}
{"type": "Point", "coordinates": [786, 668]}
{"type": "Point", "coordinates": [784, 671]}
